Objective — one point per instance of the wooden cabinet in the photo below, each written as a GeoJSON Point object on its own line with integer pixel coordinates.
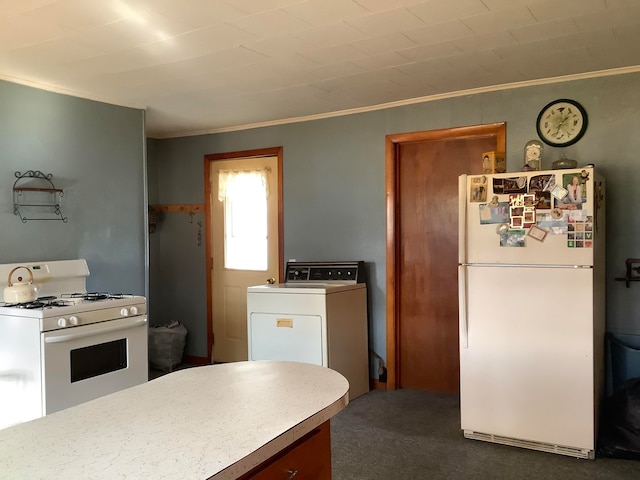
{"type": "Point", "coordinates": [307, 459]}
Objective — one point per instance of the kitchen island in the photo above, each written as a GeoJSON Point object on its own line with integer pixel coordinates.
{"type": "Point", "coordinates": [228, 421]}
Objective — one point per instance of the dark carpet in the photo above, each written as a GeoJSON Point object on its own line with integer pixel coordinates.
{"type": "Point", "coordinates": [409, 434]}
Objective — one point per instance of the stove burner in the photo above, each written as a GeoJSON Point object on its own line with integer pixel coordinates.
{"type": "Point", "coordinates": [40, 304]}
{"type": "Point", "coordinates": [66, 299]}
{"type": "Point", "coordinates": [95, 296]}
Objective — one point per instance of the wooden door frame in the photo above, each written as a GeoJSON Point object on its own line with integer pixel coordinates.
{"type": "Point", "coordinates": [392, 144]}
{"type": "Point", "coordinates": [214, 157]}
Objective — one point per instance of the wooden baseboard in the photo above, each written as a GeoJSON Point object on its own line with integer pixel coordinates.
{"type": "Point", "coordinates": [191, 360]}
{"type": "Point", "coordinates": [376, 384]}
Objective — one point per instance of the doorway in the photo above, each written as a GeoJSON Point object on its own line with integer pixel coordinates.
{"type": "Point", "coordinates": [243, 214]}
{"type": "Point", "coordinates": [422, 170]}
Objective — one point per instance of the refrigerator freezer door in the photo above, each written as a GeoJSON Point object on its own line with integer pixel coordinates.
{"type": "Point", "coordinates": [527, 370]}
{"type": "Point", "coordinates": [482, 243]}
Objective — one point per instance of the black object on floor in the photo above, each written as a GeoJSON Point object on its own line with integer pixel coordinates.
{"type": "Point", "coordinates": [620, 423]}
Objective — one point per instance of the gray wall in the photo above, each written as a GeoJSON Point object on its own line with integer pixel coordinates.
{"type": "Point", "coordinates": [334, 188]}
{"type": "Point", "coordinates": [96, 153]}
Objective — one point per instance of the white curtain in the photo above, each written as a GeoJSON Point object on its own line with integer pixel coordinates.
{"type": "Point", "coordinates": [236, 184]}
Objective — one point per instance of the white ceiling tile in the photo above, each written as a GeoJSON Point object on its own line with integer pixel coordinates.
{"type": "Point", "coordinates": [500, 20]}
{"type": "Point", "coordinates": [427, 71]}
{"type": "Point", "coordinates": [628, 37]}
{"type": "Point", "coordinates": [537, 31]}
{"type": "Point", "coordinates": [12, 7]}
{"type": "Point", "coordinates": [270, 23]}
{"type": "Point", "coordinates": [463, 65]}
{"type": "Point", "coordinates": [283, 45]}
{"type": "Point", "coordinates": [222, 59]}
{"type": "Point", "coordinates": [198, 13]}
{"type": "Point", "coordinates": [59, 51]}
{"type": "Point", "coordinates": [381, 61]}
{"type": "Point", "coordinates": [388, 22]}
{"type": "Point", "coordinates": [439, 12]}
{"type": "Point", "coordinates": [108, 63]}
{"type": "Point", "coordinates": [335, 70]}
{"type": "Point", "coordinates": [567, 60]}
{"type": "Point", "coordinates": [253, 7]}
{"type": "Point", "coordinates": [504, 4]}
{"type": "Point", "coordinates": [432, 51]}
{"type": "Point", "coordinates": [20, 30]}
{"type": "Point", "coordinates": [490, 61]}
{"type": "Point", "coordinates": [613, 4]}
{"type": "Point", "coordinates": [345, 84]}
{"type": "Point", "coordinates": [387, 5]}
{"type": "Point", "coordinates": [549, 48]}
{"type": "Point", "coordinates": [328, 55]}
{"type": "Point", "coordinates": [323, 12]}
{"type": "Point", "coordinates": [610, 18]}
{"type": "Point", "coordinates": [383, 44]}
{"type": "Point", "coordinates": [329, 35]}
{"type": "Point", "coordinates": [376, 93]}
{"type": "Point", "coordinates": [548, 10]}
{"type": "Point", "coordinates": [214, 38]}
{"type": "Point", "coordinates": [78, 14]}
{"type": "Point", "coordinates": [443, 32]}
{"type": "Point", "coordinates": [295, 62]}
{"type": "Point", "coordinates": [126, 34]}
{"type": "Point", "coordinates": [260, 77]}
{"type": "Point", "coordinates": [484, 42]}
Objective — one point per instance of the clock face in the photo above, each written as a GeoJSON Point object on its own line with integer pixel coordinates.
{"type": "Point", "coordinates": [562, 123]}
{"type": "Point", "coordinates": [532, 152]}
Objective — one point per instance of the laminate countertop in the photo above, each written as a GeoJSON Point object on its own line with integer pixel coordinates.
{"type": "Point", "coordinates": [216, 421]}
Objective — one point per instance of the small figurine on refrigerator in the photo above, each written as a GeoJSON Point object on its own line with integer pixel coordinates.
{"type": "Point", "coordinates": [533, 155]}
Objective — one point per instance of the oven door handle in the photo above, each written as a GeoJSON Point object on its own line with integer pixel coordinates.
{"type": "Point", "coordinates": [96, 329]}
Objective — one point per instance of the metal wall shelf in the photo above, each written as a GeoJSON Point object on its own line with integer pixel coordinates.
{"type": "Point", "coordinates": [33, 191]}
{"type": "Point", "coordinates": [632, 273]}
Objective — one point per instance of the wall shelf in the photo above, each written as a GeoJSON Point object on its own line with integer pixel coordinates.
{"type": "Point", "coordinates": [33, 191]}
{"type": "Point", "coordinates": [185, 208]}
{"type": "Point", "coordinates": [632, 273]}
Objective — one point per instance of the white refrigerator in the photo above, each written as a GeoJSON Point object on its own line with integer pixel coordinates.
{"type": "Point", "coordinates": [531, 290]}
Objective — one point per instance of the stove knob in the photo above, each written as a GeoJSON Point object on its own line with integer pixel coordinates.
{"type": "Point", "coordinates": [73, 320]}
{"type": "Point", "coordinates": [62, 322]}
{"type": "Point", "coordinates": [124, 312]}
{"type": "Point", "coordinates": [134, 310]}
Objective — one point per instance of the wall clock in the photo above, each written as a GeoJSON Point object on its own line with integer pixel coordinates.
{"type": "Point", "coordinates": [562, 123]}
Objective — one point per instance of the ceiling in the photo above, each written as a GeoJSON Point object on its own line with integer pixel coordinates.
{"type": "Point", "coordinates": [200, 66]}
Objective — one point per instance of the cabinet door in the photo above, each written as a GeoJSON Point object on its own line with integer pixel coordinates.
{"type": "Point", "coordinates": [307, 459]}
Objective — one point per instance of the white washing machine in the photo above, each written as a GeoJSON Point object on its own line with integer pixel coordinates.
{"type": "Point", "coordinates": [318, 316]}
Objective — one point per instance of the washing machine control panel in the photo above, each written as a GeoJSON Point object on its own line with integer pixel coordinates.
{"type": "Point", "coordinates": [325, 272]}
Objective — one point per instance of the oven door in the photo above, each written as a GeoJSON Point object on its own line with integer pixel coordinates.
{"type": "Point", "coordinates": [87, 362]}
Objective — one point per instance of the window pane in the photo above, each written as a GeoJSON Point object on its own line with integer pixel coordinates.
{"type": "Point", "coordinates": [245, 207]}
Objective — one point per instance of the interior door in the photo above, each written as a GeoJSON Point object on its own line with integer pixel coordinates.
{"type": "Point", "coordinates": [229, 279]}
{"type": "Point", "coordinates": [422, 295]}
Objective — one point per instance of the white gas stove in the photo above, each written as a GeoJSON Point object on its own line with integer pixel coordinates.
{"type": "Point", "coordinates": [69, 345]}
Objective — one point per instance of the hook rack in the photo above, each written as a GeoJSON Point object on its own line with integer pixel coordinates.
{"type": "Point", "coordinates": [632, 273]}
{"type": "Point", "coordinates": [35, 189]}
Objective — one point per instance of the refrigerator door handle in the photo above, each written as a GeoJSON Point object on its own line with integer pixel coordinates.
{"type": "Point", "coordinates": [462, 219]}
{"type": "Point", "coordinates": [462, 306]}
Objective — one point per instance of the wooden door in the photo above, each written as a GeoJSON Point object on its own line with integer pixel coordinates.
{"type": "Point", "coordinates": [228, 280]}
{"type": "Point", "coordinates": [423, 299]}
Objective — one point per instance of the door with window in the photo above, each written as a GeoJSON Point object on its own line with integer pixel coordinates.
{"type": "Point", "coordinates": [243, 244]}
